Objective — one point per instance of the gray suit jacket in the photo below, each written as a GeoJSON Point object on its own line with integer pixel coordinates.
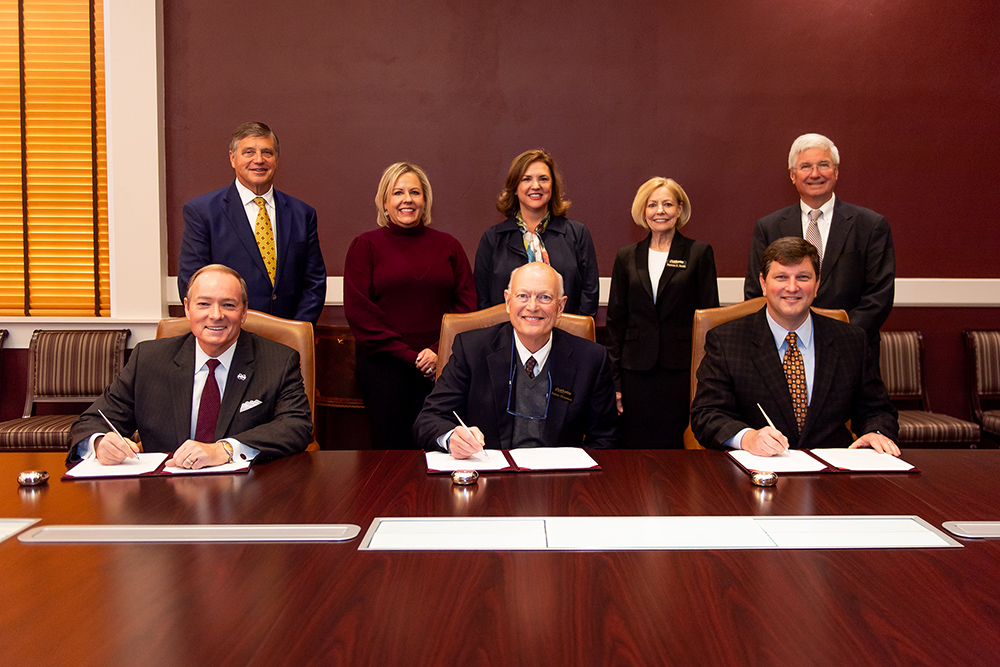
{"type": "Point", "coordinates": [153, 394]}
{"type": "Point", "coordinates": [741, 368]}
{"type": "Point", "coordinates": [859, 266]}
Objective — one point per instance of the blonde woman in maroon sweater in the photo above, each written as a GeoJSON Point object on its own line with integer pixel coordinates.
{"type": "Point", "coordinates": [399, 280]}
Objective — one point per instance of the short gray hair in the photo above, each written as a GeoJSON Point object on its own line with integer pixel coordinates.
{"type": "Point", "coordinates": [812, 140]}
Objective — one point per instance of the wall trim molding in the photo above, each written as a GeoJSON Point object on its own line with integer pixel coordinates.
{"type": "Point", "coordinates": [910, 293]}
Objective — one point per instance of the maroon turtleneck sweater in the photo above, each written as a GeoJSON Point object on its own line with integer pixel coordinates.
{"type": "Point", "coordinates": [399, 282]}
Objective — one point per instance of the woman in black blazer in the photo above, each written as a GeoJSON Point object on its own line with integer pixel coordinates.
{"type": "Point", "coordinates": [537, 230]}
{"type": "Point", "coordinates": [649, 331]}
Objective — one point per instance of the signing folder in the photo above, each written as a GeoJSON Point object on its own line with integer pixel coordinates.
{"type": "Point", "coordinates": [525, 459]}
{"type": "Point", "coordinates": [821, 461]}
{"type": "Point", "coordinates": [146, 464]}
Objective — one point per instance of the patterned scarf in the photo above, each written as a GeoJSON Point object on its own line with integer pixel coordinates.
{"type": "Point", "coordinates": [533, 241]}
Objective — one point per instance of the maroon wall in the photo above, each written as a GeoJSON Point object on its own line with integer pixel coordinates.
{"type": "Point", "coordinates": [710, 92]}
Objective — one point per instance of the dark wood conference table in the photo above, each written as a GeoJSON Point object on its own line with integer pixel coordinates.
{"type": "Point", "coordinates": [275, 604]}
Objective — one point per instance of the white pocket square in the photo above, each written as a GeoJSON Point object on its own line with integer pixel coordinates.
{"type": "Point", "coordinates": [247, 405]}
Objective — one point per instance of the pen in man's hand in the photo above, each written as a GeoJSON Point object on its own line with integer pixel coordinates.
{"type": "Point", "coordinates": [131, 454]}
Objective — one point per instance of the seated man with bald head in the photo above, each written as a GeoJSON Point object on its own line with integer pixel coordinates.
{"type": "Point", "coordinates": [807, 373]}
{"type": "Point", "coordinates": [522, 383]}
{"type": "Point", "coordinates": [212, 396]}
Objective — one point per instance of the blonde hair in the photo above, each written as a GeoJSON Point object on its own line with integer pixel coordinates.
{"type": "Point", "coordinates": [389, 178]}
{"type": "Point", "coordinates": [651, 186]}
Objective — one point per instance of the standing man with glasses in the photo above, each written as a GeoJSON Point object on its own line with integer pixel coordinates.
{"type": "Point", "coordinates": [267, 236]}
{"type": "Point", "coordinates": [523, 383]}
{"type": "Point", "coordinates": [857, 261]}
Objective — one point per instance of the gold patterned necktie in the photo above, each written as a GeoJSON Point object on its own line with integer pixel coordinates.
{"type": "Point", "coordinates": [813, 235]}
{"type": "Point", "coordinates": [265, 238]}
{"type": "Point", "coordinates": [795, 374]}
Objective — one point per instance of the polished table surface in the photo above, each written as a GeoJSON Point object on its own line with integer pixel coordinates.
{"type": "Point", "coordinates": [268, 604]}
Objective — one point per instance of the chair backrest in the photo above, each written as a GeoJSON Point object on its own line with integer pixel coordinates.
{"type": "Point", "coordinates": [901, 365]}
{"type": "Point", "coordinates": [453, 324]}
{"type": "Point", "coordinates": [983, 358]}
{"type": "Point", "coordinates": [293, 333]}
{"type": "Point", "coordinates": [708, 318]}
{"type": "Point", "coordinates": [72, 366]}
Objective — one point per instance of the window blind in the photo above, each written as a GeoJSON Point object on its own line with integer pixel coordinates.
{"type": "Point", "coordinates": [53, 159]}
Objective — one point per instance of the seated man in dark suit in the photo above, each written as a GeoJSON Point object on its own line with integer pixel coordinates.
{"type": "Point", "coordinates": [269, 237]}
{"type": "Point", "coordinates": [210, 396]}
{"type": "Point", "coordinates": [857, 261]}
{"type": "Point", "coordinates": [808, 373]}
{"type": "Point", "coordinates": [522, 384]}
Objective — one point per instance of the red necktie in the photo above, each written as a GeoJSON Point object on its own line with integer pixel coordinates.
{"type": "Point", "coordinates": [530, 367]}
{"type": "Point", "coordinates": [208, 409]}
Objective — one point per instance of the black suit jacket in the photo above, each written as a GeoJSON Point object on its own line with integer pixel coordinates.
{"type": "Point", "coordinates": [475, 384]}
{"type": "Point", "coordinates": [571, 252]}
{"type": "Point", "coordinates": [642, 335]}
{"type": "Point", "coordinates": [153, 394]}
{"type": "Point", "coordinates": [741, 368]}
{"type": "Point", "coordinates": [859, 266]}
{"type": "Point", "coordinates": [216, 231]}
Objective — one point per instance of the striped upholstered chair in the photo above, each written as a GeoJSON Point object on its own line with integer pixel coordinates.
{"type": "Point", "coordinates": [983, 354]}
{"type": "Point", "coordinates": [901, 363]}
{"type": "Point", "coordinates": [63, 367]}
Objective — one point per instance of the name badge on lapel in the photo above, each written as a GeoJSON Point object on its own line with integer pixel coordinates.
{"type": "Point", "coordinates": [677, 263]}
{"type": "Point", "coordinates": [564, 394]}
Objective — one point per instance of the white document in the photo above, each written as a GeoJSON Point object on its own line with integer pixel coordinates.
{"type": "Point", "coordinates": [614, 533]}
{"type": "Point", "coordinates": [9, 527]}
{"type": "Point", "coordinates": [655, 532]}
{"type": "Point", "coordinates": [235, 466]}
{"type": "Point", "coordinates": [852, 532]}
{"type": "Point", "coordinates": [423, 534]}
{"type": "Point", "coordinates": [144, 463]}
{"type": "Point", "coordinates": [864, 458]}
{"type": "Point", "coordinates": [552, 458]}
{"type": "Point", "coordinates": [792, 460]}
{"type": "Point", "coordinates": [488, 459]}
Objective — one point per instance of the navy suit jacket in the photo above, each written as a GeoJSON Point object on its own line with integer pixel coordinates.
{"type": "Point", "coordinates": [571, 253]}
{"type": "Point", "coordinates": [475, 384]}
{"type": "Point", "coordinates": [642, 335]}
{"type": "Point", "coordinates": [216, 231]}
{"type": "Point", "coordinates": [859, 265]}
{"type": "Point", "coordinates": [741, 368]}
{"type": "Point", "coordinates": [153, 393]}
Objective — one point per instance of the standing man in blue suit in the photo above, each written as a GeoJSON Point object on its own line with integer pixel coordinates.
{"type": "Point", "coordinates": [267, 236]}
{"type": "Point", "coordinates": [857, 261]}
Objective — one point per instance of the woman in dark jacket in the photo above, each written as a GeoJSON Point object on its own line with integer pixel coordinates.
{"type": "Point", "coordinates": [536, 230]}
{"type": "Point", "coordinates": [656, 285]}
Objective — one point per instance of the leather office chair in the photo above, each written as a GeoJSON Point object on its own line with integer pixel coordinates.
{"type": "Point", "coordinates": [983, 358]}
{"type": "Point", "coordinates": [453, 324]}
{"type": "Point", "coordinates": [901, 363]}
{"type": "Point", "coordinates": [296, 335]}
{"type": "Point", "coordinates": [63, 367]}
{"type": "Point", "coordinates": [709, 318]}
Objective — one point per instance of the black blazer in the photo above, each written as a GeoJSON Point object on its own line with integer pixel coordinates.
{"type": "Point", "coordinates": [571, 252]}
{"type": "Point", "coordinates": [859, 266]}
{"type": "Point", "coordinates": [153, 393]}
{"type": "Point", "coordinates": [475, 384]}
{"type": "Point", "coordinates": [642, 335]}
{"type": "Point", "coordinates": [741, 368]}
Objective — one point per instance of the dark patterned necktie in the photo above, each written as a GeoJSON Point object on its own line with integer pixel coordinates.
{"type": "Point", "coordinates": [208, 409]}
{"type": "Point", "coordinates": [795, 374]}
{"type": "Point", "coordinates": [530, 367]}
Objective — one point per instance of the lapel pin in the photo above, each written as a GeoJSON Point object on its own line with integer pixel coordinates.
{"type": "Point", "coordinates": [241, 376]}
